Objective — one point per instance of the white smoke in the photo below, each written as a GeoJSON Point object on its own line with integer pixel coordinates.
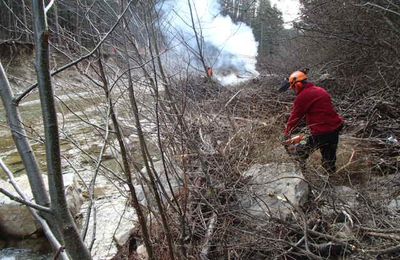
{"type": "Point", "coordinates": [229, 48]}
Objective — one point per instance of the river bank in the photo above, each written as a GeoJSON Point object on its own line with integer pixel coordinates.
{"type": "Point", "coordinates": [89, 152]}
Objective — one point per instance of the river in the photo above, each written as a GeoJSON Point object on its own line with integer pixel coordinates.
{"type": "Point", "coordinates": [22, 254]}
{"type": "Point", "coordinates": [82, 118]}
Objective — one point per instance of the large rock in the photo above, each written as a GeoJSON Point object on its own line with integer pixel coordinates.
{"type": "Point", "coordinates": [16, 220]}
{"type": "Point", "coordinates": [174, 178]}
{"type": "Point", "coordinates": [345, 198]}
{"type": "Point", "coordinates": [73, 193]}
{"type": "Point", "coordinates": [270, 186]}
{"type": "Point", "coordinates": [341, 203]}
{"type": "Point", "coordinates": [115, 222]}
{"type": "Point", "coordinates": [142, 253]}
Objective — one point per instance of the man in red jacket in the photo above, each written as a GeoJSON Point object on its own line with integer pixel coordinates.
{"type": "Point", "coordinates": [315, 105]}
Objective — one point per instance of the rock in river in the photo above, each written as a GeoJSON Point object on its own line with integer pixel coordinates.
{"type": "Point", "coordinates": [16, 220]}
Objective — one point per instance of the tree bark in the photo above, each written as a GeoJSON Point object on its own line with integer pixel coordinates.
{"type": "Point", "coordinates": [135, 201]}
{"type": "Point", "coordinates": [20, 140]}
{"type": "Point", "coordinates": [57, 25]}
{"type": "Point", "coordinates": [73, 242]}
{"type": "Point", "coordinates": [27, 38]}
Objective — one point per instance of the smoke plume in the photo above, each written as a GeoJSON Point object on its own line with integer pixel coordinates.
{"type": "Point", "coordinates": [229, 48]}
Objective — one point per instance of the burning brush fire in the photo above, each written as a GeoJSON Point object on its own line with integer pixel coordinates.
{"type": "Point", "coordinates": [200, 37]}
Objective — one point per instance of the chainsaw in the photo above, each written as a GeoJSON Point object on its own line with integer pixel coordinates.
{"type": "Point", "coordinates": [295, 144]}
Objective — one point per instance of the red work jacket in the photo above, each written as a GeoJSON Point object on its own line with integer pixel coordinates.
{"type": "Point", "coordinates": [315, 104]}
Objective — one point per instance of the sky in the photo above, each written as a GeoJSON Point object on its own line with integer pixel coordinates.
{"type": "Point", "coordinates": [289, 8]}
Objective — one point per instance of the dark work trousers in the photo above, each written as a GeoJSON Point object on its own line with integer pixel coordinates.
{"type": "Point", "coordinates": [327, 144]}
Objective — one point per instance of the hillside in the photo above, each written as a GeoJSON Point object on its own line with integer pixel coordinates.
{"type": "Point", "coordinates": [352, 215]}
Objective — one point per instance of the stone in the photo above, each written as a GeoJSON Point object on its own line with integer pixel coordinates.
{"type": "Point", "coordinates": [343, 231]}
{"type": "Point", "coordinates": [140, 194]}
{"type": "Point", "coordinates": [345, 197]}
{"type": "Point", "coordinates": [16, 219]}
{"type": "Point", "coordinates": [269, 187]}
{"type": "Point", "coordinates": [73, 193]}
{"type": "Point", "coordinates": [115, 222]}
{"type": "Point", "coordinates": [122, 235]}
{"type": "Point", "coordinates": [174, 173]}
{"type": "Point", "coordinates": [142, 253]}
{"type": "Point", "coordinates": [341, 201]}
{"type": "Point", "coordinates": [394, 205]}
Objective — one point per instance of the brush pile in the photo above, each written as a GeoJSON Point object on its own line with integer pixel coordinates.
{"type": "Point", "coordinates": [229, 130]}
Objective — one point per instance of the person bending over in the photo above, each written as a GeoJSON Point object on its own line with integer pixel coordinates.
{"type": "Point", "coordinates": [315, 105]}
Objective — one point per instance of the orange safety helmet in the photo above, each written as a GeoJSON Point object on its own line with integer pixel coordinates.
{"type": "Point", "coordinates": [296, 81]}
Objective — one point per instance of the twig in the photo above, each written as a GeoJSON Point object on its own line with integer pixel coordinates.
{"type": "Point", "coordinates": [93, 181]}
{"type": "Point", "coordinates": [22, 201]}
{"type": "Point", "coordinates": [302, 239]}
{"type": "Point", "coordinates": [382, 8]}
{"type": "Point", "coordinates": [49, 5]}
{"type": "Point", "coordinates": [210, 230]}
{"type": "Point", "coordinates": [389, 236]}
{"type": "Point", "coordinates": [225, 106]}
{"type": "Point", "coordinates": [383, 251]}
{"type": "Point", "coordinates": [303, 217]}
{"type": "Point", "coordinates": [59, 251]}
{"type": "Point", "coordinates": [348, 163]}
{"type": "Point", "coordinates": [378, 230]}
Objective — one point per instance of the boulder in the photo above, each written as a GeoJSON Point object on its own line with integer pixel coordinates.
{"type": "Point", "coordinates": [104, 187]}
{"type": "Point", "coordinates": [140, 194]}
{"type": "Point", "coordinates": [345, 197]}
{"type": "Point", "coordinates": [142, 253]}
{"type": "Point", "coordinates": [341, 202]}
{"type": "Point", "coordinates": [122, 235]}
{"type": "Point", "coordinates": [343, 231]}
{"type": "Point", "coordinates": [15, 218]}
{"type": "Point", "coordinates": [115, 222]}
{"type": "Point", "coordinates": [73, 193]}
{"type": "Point", "coordinates": [174, 174]}
{"type": "Point", "coordinates": [270, 187]}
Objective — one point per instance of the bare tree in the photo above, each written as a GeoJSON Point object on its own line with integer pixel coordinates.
{"type": "Point", "coordinates": [74, 244]}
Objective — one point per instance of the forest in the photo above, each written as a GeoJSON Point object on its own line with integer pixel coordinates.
{"type": "Point", "coordinates": [153, 129]}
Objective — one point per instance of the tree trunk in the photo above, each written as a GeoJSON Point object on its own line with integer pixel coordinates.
{"type": "Point", "coordinates": [135, 201]}
{"type": "Point", "coordinates": [25, 151]}
{"type": "Point", "coordinates": [25, 21]}
{"type": "Point", "coordinates": [20, 140]}
{"type": "Point", "coordinates": [126, 166]}
{"type": "Point", "coordinates": [57, 24]}
{"type": "Point", "coordinates": [73, 242]}
{"type": "Point", "coordinates": [199, 40]}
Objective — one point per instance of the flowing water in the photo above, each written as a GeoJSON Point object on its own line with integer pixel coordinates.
{"type": "Point", "coordinates": [81, 114]}
{"type": "Point", "coordinates": [82, 120]}
{"type": "Point", "coordinates": [22, 254]}
{"type": "Point", "coordinates": [31, 115]}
